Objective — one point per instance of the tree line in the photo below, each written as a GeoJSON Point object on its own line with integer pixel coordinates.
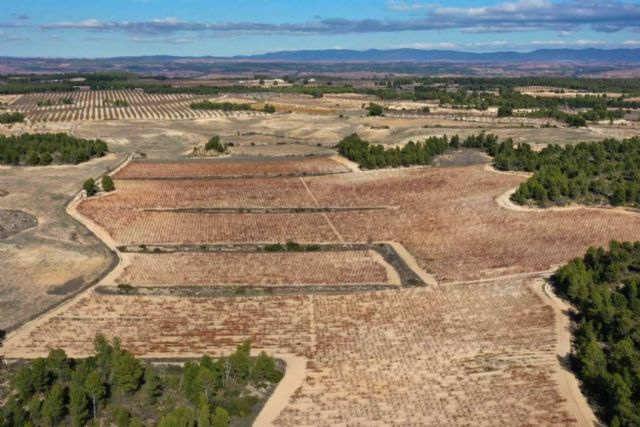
{"type": "Point", "coordinates": [114, 387]}
{"type": "Point", "coordinates": [504, 96]}
{"type": "Point", "coordinates": [605, 172]}
{"type": "Point", "coordinates": [370, 156]}
{"type": "Point", "coordinates": [48, 148]}
{"type": "Point", "coordinates": [604, 288]}
{"type": "Point", "coordinates": [229, 106]}
{"type": "Point", "coordinates": [590, 173]}
{"type": "Point", "coordinates": [580, 119]}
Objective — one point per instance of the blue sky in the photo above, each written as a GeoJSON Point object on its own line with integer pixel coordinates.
{"type": "Point", "coordinates": [93, 28]}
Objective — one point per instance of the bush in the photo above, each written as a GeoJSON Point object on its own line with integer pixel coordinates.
{"type": "Point", "coordinates": [125, 288]}
{"type": "Point", "coordinates": [268, 108]}
{"type": "Point", "coordinates": [90, 187]}
{"type": "Point", "coordinates": [293, 246]}
{"type": "Point", "coordinates": [215, 144]}
{"type": "Point", "coordinates": [107, 183]}
{"type": "Point", "coordinates": [275, 247]}
{"type": "Point", "coordinates": [505, 111]}
{"type": "Point", "coordinates": [375, 109]}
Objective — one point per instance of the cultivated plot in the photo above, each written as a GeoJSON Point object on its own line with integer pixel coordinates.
{"type": "Point", "coordinates": [232, 167]}
{"type": "Point", "coordinates": [480, 354]}
{"type": "Point", "coordinates": [114, 105]}
{"type": "Point", "coordinates": [447, 218]}
{"type": "Point", "coordinates": [258, 269]}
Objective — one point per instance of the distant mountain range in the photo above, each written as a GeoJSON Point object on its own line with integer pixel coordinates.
{"type": "Point", "coordinates": [589, 62]}
{"type": "Point", "coordinates": [385, 55]}
{"type": "Point", "coordinates": [421, 55]}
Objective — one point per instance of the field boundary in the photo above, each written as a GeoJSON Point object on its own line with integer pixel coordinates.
{"type": "Point", "coordinates": [326, 217]}
{"type": "Point", "coordinates": [266, 211]}
{"type": "Point", "coordinates": [391, 255]}
{"type": "Point", "coordinates": [227, 291]}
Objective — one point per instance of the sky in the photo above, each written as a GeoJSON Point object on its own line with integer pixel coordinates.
{"type": "Point", "coordinates": [107, 28]}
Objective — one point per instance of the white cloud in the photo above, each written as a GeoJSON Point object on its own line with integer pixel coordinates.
{"type": "Point", "coordinates": [563, 16]}
{"type": "Point", "coordinates": [589, 42]}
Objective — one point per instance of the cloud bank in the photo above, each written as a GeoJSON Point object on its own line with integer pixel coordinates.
{"type": "Point", "coordinates": [524, 15]}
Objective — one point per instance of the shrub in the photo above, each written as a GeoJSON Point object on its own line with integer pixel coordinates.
{"type": "Point", "coordinates": [268, 108]}
{"type": "Point", "coordinates": [375, 109]}
{"type": "Point", "coordinates": [275, 247]}
{"type": "Point", "coordinates": [107, 184]}
{"type": "Point", "coordinates": [505, 111]}
{"type": "Point", "coordinates": [90, 187]}
{"type": "Point", "coordinates": [215, 144]}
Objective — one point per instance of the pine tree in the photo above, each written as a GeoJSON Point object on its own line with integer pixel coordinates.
{"type": "Point", "coordinates": [95, 387]}
{"type": "Point", "coordinates": [53, 405]}
{"type": "Point", "coordinates": [152, 385]}
{"type": "Point", "coordinates": [128, 372]}
{"type": "Point", "coordinates": [78, 404]}
{"type": "Point", "coordinates": [58, 363]}
{"type": "Point", "coordinates": [35, 409]}
{"type": "Point", "coordinates": [204, 413]}
{"type": "Point", "coordinates": [220, 418]}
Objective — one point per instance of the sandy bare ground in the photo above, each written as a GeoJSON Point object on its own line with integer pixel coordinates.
{"type": "Point", "coordinates": [295, 375]}
{"type": "Point", "coordinates": [354, 167]}
{"type": "Point", "coordinates": [567, 381]}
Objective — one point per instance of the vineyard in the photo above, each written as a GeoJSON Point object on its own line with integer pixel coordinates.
{"type": "Point", "coordinates": [231, 168]}
{"type": "Point", "coordinates": [205, 193]}
{"type": "Point", "coordinates": [114, 105]}
{"type": "Point", "coordinates": [256, 269]}
{"type": "Point", "coordinates": [480, 354]}
{"type": "Point", "coordinates": [451, 224]}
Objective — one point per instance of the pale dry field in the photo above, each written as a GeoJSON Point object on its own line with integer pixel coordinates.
{"type": "Point", "coordinates": [45, 264]}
